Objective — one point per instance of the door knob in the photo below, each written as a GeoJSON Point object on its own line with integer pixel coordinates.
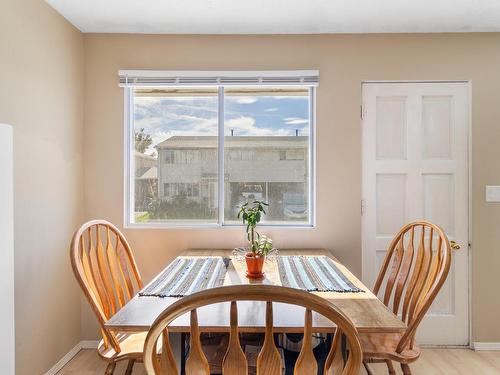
{"type": "Point", "coordinates": [454, 245]}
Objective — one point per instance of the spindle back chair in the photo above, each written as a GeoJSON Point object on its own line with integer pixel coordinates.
{"type": "Point", "coordinates": [415, 268]}
{"type": "Point", "coordinates": [106, 270]}
{"type": "Point", "coordinates": [269, 359]}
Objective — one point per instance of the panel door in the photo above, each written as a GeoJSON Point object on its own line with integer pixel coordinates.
{"type": "Point", "coordinates": [415, 166]}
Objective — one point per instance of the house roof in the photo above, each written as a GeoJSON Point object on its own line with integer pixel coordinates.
{"type": "Point", "coordinates": [146, 173]}
{"type": "Point", "coordinates": [197, 142]}
{"type": "Point", "coordinates": [144, 156]}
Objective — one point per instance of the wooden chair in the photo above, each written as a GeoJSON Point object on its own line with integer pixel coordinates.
{"type": "Point", "coordinates": [414, 270]}
{"type": "Point", "coordinates": [107, 273]}
{"type": "Point", "coordinates": [269, 359]}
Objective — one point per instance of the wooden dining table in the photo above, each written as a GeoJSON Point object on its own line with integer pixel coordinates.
{"type": "Point", "coordinates": [367, 312]}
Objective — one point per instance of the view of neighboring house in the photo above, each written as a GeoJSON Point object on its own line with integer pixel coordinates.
{"type": "Point", "coordinates": [146, 180]}
{"type": "Point", "coordinates": [271, 168]}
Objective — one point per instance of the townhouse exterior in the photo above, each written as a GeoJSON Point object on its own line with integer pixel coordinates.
{"type": "Point", "coordinates": [272, 168]}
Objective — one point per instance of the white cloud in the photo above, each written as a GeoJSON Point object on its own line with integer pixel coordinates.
{"type": "Point", "coordinates": [195, 124]}
{"type": "Point", "coordinates": [164, 119]}
{"type": "Point", "coordinates": [162, 128]}
{"type": "Point", "coordinates": [295, 121]}
{"type": "Point", "coordinates": [242, 99]}
{"type": "Point", "coordinates": [245, 125]}
{"type": "Point", "coordinates": [158, 100]}
{"type": "Point", "coordinates": [242, 123]}
{"type": "Point", "coordinates": [292, 97]}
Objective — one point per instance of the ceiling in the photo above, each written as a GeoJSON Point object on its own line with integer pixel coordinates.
{"type": "Point", "coordinates": [279, 16]}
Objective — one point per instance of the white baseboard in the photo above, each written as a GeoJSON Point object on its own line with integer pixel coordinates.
{"type": "Point", "coordinates": [434, 346]}
{"type": "Point", "coordinates": [486, 346]}
{"type": "Point", "coordinates": [89, 344]}
{"type": "Point", "coordinates": [64, 360]}
{"type": "Point", "coordinates": [69, 356]}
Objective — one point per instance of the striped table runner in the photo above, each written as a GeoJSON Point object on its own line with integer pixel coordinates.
{"type": "Point", "coordinates": [313, 274]}
{"type": "Point", "coordinates": [186, 276]}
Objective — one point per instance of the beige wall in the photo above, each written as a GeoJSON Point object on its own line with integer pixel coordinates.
{"type": "Point", "coordinates": [41, 95]}
{"type": "Point", "coordinates": [42, 65]}
{"type": "Point", "coordinates": [344, 62]}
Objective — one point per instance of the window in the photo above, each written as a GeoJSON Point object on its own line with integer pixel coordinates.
{"type": "Point", "coordinates": [212, 147]}
{"type": "Point", "coordinates": [168, 156]}
{"type": "Point", "coordinates": [185, 190]}
{"type": "Point", "coordinates": [257, 122]}
{"type": "Point", "coordinates": [172, 127]}
{"type": "Point", "coordinates": [296, 154]}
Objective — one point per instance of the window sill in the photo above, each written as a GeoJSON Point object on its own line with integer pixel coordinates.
{"type": "Point", "coordinates": [205, 226]}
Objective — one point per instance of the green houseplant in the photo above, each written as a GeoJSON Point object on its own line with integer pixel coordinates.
{"type": "Point", "coordinates": [258, 245]}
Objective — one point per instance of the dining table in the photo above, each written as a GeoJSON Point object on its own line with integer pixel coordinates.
{"type": "Point", "coordinates": [367, 312]}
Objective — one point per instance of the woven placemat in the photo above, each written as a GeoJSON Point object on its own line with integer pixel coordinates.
{"type": "Point", "coordinates": [187, 275]}
{"type": "Point", "coordinates": [314, 274]}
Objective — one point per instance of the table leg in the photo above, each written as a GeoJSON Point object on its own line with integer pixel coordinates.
{"type": "Point", "coordinates": [343, 345]}
{"type": "Point", "coordinates": [329, 340]}
{"type": "Point", "coordinates": [183, 353]}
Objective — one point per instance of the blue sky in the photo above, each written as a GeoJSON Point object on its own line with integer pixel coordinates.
{"type": "Point", "coordinates": [163, 117]}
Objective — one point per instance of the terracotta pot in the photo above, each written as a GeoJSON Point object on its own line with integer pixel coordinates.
{"type": "Point", "coordinates": [255, 264]}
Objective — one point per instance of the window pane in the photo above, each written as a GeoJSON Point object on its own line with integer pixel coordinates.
{"type": "Point", "coordinates": [266, 141]}
{"type": "Point", "coordinates": [175, 161]}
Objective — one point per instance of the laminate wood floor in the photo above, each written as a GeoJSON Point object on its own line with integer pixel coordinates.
{"type": "Point", "coordinates": [432, 362]}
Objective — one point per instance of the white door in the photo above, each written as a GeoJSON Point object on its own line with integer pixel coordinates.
{"type": "Point", "coordinates": [415, 166]}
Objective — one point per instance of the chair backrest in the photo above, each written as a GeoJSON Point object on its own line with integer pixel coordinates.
{"type": "Point", "coordinates": [414, 270]}
{"type": "Point", "coordinates": [269, 359]}
{"type": "Point", "coordinates": [106, 271]}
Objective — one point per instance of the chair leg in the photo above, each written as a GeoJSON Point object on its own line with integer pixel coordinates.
{"type": "Point", "coordinates": [110, 369]}
{"type": "Point", "coordinates": [130, 367]}
{"type": "Point", "coordinates": [390, 367]}
{"type": "Point", "coordinates": [368, 370]}
{"type": "Point", "coordinates": [406, 369]}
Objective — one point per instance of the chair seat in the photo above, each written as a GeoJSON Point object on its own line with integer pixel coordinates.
{"type": "Point", "coordinates": [383, 346]}
{"type": "Point", "coordinates": [131, 344]}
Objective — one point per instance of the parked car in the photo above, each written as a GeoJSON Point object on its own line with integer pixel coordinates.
{"type": "Point", "coordinates": [294, 206]}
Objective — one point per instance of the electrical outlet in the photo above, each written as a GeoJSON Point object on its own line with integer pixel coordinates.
{"type": "Point", "coordinates": [492, 193]}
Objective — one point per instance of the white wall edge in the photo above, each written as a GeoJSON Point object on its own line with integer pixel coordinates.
{"type": "Point", "coordinates": [480, 346]}
{"type": "Point", "coordinates": [7, 313]}
{"type": "Point", "coordinates": [71, 354]}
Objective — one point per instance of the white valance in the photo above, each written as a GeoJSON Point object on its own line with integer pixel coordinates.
{"type": "Point", "coordinates": [155, 78]}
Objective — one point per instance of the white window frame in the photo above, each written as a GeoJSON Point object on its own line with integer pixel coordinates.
{"type": "Point", "coordinates": [129, 186]}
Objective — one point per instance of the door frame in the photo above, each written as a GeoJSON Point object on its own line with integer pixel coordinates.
{"type": "Point", "coordinates": [468, 84]}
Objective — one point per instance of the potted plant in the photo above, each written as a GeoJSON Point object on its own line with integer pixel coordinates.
{"type": "Point", "coordinates": [258, 245]}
